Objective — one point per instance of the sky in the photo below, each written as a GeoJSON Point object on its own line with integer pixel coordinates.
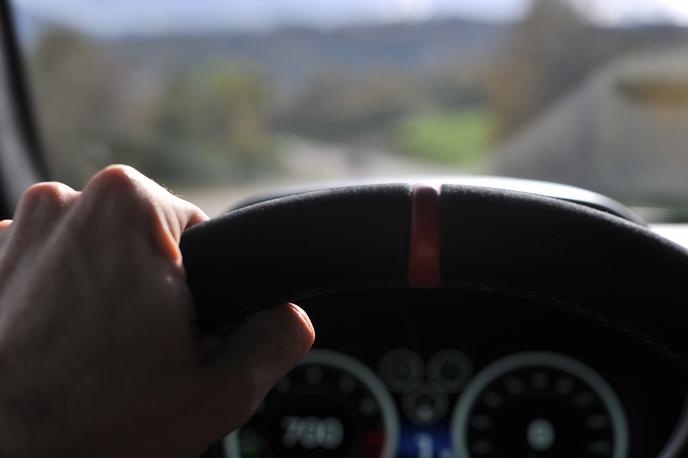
{"type": "Point", "coordinates": [119, 17]}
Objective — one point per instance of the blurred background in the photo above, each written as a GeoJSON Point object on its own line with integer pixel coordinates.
{"type": "Point", "coordinates": [220, 99]}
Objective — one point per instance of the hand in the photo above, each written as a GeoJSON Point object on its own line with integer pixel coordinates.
{"type": "Point", "coordinates": [99, 355]}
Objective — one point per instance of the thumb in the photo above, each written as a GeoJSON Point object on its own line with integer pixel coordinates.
{"type": "Point", "coordinates": [255, 356]}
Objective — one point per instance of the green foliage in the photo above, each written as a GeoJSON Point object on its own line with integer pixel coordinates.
{"type": "Point", "coordinates": [339, 106]}
{"type": "Point", "coordinates": [459, 138]}
{"type": "Point", "coordinates": [545, 56]}
{"type": "Point", "coordinates": [75, 82]}
{"type": "Point", "coordinates": [197, 123]}
{"type": "Point", "coordinates": [216, 119]}
{"type": "Point", "coordinates": [217, 115]}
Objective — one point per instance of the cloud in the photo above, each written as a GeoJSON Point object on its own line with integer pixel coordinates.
{"type": "Point", "coordinates": [615, 12]}
{"type": "Point", "coordinates": [153, 16]}
{"type": "Point", "coordinates": [112, 17]}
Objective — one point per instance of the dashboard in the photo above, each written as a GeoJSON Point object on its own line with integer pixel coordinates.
{"type": "Point", "coordinates": [463, 372]}
{"type": "Point", "coordinates": [399, 374]}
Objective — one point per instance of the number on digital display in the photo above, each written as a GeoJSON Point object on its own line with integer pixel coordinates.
{"type": "Point", "coordinates": [312, 433]}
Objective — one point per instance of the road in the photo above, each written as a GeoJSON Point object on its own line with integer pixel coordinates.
{"type": "Point", "coordinates": [307, 163]}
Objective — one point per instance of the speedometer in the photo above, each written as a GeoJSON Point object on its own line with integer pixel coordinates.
{"type": "Point", "coordinates": [539, 404]}
{"type": "Point", "coordinates": [330, 405]}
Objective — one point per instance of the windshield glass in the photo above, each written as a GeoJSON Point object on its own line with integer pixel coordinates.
{"type": "Point", "coordinates": [218, 100]}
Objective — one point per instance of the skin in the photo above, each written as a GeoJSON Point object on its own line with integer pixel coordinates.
{"type": "Point", "coordinates": [99, 354]}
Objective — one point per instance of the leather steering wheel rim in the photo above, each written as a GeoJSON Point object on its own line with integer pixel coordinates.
{"type": "Point", "coordinates": [360, 238]}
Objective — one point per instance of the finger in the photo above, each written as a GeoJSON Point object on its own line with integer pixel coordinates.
{"type": "Point", "coordinates": [122, 198]}
{"type": "Point", "coordinates": [257, 354]}
{"type": "Point", "coordinates": [40, 209]}
{"type": "Point", "coordinates": [4, 226]}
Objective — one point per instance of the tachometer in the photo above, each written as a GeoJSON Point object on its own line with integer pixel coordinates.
{"type": "Point", "coordinates": [330, 405]}
{"type": "Point", "coordinates": [538, 405]}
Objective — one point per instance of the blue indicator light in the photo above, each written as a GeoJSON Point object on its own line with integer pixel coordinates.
{"type": "Point", "coordinates": [425, 441]}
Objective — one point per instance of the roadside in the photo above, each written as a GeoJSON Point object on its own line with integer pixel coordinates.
{"type": "Point", "coordinates": [306, 163]}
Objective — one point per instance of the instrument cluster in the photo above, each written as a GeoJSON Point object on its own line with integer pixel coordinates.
{"type": "Point", "coordinates": [452, 375]}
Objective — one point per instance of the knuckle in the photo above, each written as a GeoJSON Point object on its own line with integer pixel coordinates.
{"type": "Point", "coordinates": [42, 195]}
{"type": "Point", "coordinates": [118, 186]}
{"type": "Point", "coordinates": [114, 179]}
{"type": "Point", "coordinates": [119, 198]}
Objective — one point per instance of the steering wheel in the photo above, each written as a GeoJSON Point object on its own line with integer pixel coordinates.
{"type": "Point", "coordinates": [593, 263]}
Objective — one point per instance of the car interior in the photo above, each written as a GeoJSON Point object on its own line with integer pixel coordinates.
{"type": "Point", "coordinates": [480, 205]}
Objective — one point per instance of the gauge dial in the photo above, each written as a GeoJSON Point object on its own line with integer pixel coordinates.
{"type": "Point", "coordinates": [538, 405]}
{"type": "Point", "coordinates": [329, 406]}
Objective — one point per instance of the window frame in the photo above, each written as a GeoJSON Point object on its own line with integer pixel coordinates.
{"type": "Point", "coordinates": [21, 153]}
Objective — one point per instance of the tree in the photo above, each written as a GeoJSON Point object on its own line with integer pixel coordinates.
{"type": "Point", "coordinates": [215, 114]}
{"type": "Point", "coordinates": [547, 54]}
{"type": "Point", "coordinates": [337, 106]}
{"type": "Point", "coordinates": [76, 85]}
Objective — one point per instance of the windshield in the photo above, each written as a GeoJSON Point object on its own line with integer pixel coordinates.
{"type": "Point", "coordinates": [218, 100]}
